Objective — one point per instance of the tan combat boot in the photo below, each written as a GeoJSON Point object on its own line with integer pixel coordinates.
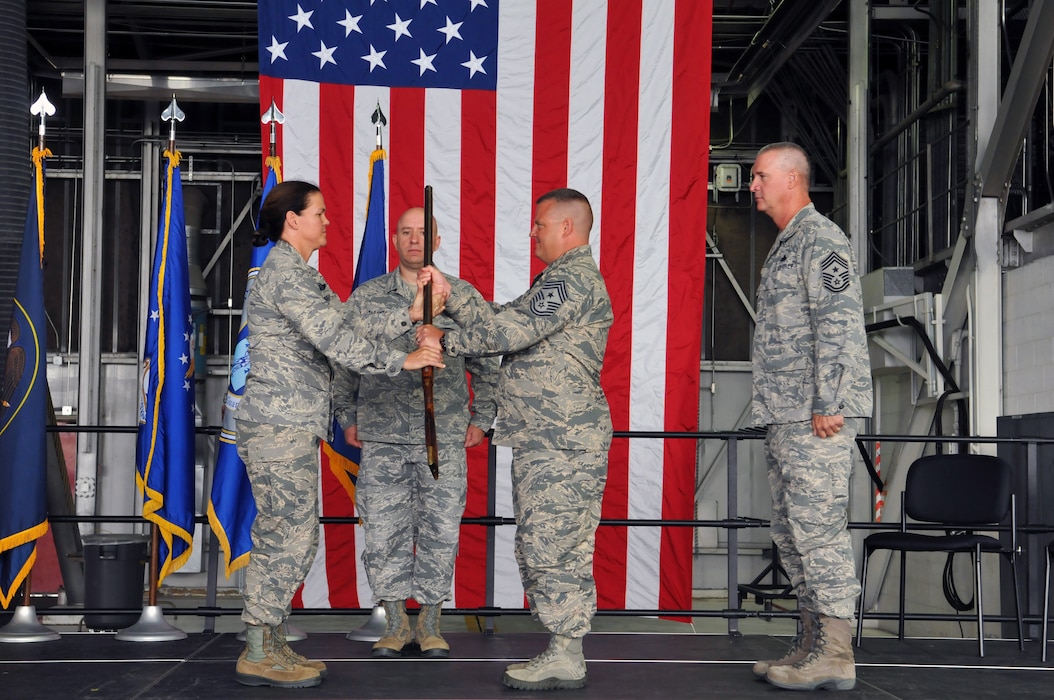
{"type": "Point", "coordinates": [799, 649]}
{"type": "Point", "coordinates": [830, 664]}
{"type": "Point", "coordinates": [282, 644]}
{"type": "Point", "coordinates": [397, 632]}
{"type": "Point", "coordinates": [262, 663]}
{"type": "Point", "coordinates": [561, 666]}
{"type": "Point", "coordinates": [428, 637]}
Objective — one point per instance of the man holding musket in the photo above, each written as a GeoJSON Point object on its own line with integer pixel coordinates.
{"type": "Point", "coordinates": [553, 413]}
{"type": "Point", "coordinates": [411, 520]}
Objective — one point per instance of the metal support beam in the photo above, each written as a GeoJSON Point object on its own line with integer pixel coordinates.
{"type": "Point", "coordinates": [90, 357]}
{"type": "Point", "coordinates": [986, 324]}
{"type": "Point", "coordinates": [771, 47]}
{"type": "Point", "coordinates": [1035, 219]}
{"type": "Point", "coordinates": [230, 234]}
{"type": "Point", "coordinates": [961, 287]}
{"type": "Point", "coordinates": [856, 156]}
{"type": "Point", "coordinates": [937, 98]}
{"type": "Point", "coordinates": [743, 299]}
{"type": "Point", "coordinates": [984, 293]}
{"type": "Point", "coordinates": [149, 196]}
{"type": "Point", "coordinates": [1020, 97]}
{"type": "Point", "coordinates": [161, 87]}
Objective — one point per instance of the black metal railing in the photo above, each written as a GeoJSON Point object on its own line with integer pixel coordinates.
{"type": "Point", "coordinates": [1031, 529]}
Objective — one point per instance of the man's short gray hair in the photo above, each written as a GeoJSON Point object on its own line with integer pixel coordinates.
{"type": "Point", "coordinates": [792, 157]}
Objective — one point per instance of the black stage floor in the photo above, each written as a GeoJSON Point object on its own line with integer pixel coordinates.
{"type": "Point", "coordinates": [621, 665]}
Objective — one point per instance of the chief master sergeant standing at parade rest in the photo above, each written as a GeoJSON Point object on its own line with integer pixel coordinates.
{"type": "Point", "coordinates": [812, 385]}
{"type": "Point", "coordinates": [553, 413]}
{"type": "Point", "coordinates": [411, 520]}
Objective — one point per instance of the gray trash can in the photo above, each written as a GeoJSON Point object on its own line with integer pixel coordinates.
{"type": "Point", "coordinates": [114, 568]}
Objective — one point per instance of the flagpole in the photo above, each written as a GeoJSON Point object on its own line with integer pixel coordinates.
{"type": "Point", "coordinates": [151, 626]}
{"type": "Point", "coordinates": [373, 629]}
{"type": "Point", "coordinates": [24, 625]}
{"type": "Point", "coordinates": [273, 117]}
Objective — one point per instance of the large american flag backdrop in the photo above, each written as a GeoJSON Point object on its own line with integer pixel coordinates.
{"type": "Point", "coordinates": [493, 103]}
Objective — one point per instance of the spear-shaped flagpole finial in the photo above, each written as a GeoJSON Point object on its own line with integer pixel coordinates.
{"type": "Point", "coordinates": [379, 121]}
{"type": "Point", "coordinates": [274, 117]}
{"type": "Point", "coordinates": [44, 108]}
{"type": "Point", "coordinates": [172, 114]}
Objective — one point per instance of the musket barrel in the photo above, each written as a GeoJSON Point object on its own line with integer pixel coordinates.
{"type": "Point", "coordinates": [428, 373]}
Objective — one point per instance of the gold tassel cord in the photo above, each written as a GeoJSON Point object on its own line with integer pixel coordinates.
{"type": "Point", "coordinates": [38, 179]}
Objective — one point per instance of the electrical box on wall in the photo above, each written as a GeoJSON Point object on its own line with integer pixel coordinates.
{"type": "Point", "coordinates": [727, 177]}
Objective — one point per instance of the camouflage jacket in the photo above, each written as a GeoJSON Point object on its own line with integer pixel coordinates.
{"type": "Point", "coordinates": [810, 348]}
{"type": "Point", "coordinates": [296, 326]}
{"type": "Point", "coordinates": [391, 409]}
{"type": "Point", "coordinates": [553, 339]}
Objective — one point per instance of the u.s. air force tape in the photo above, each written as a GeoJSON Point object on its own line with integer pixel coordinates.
{"type": "Point", "coordinates": [835, 270]}
{"type": "Point", "coordinates": [549, 298]}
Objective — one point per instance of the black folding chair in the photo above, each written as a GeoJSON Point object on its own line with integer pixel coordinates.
{"type": "Point", "coordinates": [964, 493]}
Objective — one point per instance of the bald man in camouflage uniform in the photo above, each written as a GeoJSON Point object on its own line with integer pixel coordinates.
{"type": "Point", "coordinates": [553, 413]}
{"type": "Point", "coordinates": [812, 388]}
{"type": "Point", "coordinates": [411, 520]}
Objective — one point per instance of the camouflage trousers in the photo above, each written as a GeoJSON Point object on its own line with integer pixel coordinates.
{"type": "Point", "coordinates": [809, 478]}
{"type": "Point", "coordinates": [411, 521]}
{"type": "Point", "coordinates": [282, 464]}
{"type": "Point", "coordinates": [556, 496]}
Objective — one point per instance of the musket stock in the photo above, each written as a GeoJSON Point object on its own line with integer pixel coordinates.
{"type": "Point", "coordinates": [428, 373]}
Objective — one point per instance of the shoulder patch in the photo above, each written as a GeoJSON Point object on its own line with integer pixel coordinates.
{"type": "Point", "coordinates": [835, 270]}
{"type": "Point", "coordinates": [549, 298]}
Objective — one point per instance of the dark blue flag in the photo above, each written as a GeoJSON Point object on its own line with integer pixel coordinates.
{"type": "Point", "coordinates": [344, 459]}
{"type": "Point", "coordinates": [232, 507]}
{"type": "Point", "coordinates": [165, 444]}
{"type": "Point", "coordinates": [373, 253]}
{"type": "Point", "coordinates": [23, 409]}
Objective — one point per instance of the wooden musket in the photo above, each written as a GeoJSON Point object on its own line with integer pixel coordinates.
{"type": "Point", "coordinates": [428, 373]}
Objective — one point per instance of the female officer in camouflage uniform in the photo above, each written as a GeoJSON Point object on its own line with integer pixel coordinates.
{"type": "Point", "coordinates": [295, 330]}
